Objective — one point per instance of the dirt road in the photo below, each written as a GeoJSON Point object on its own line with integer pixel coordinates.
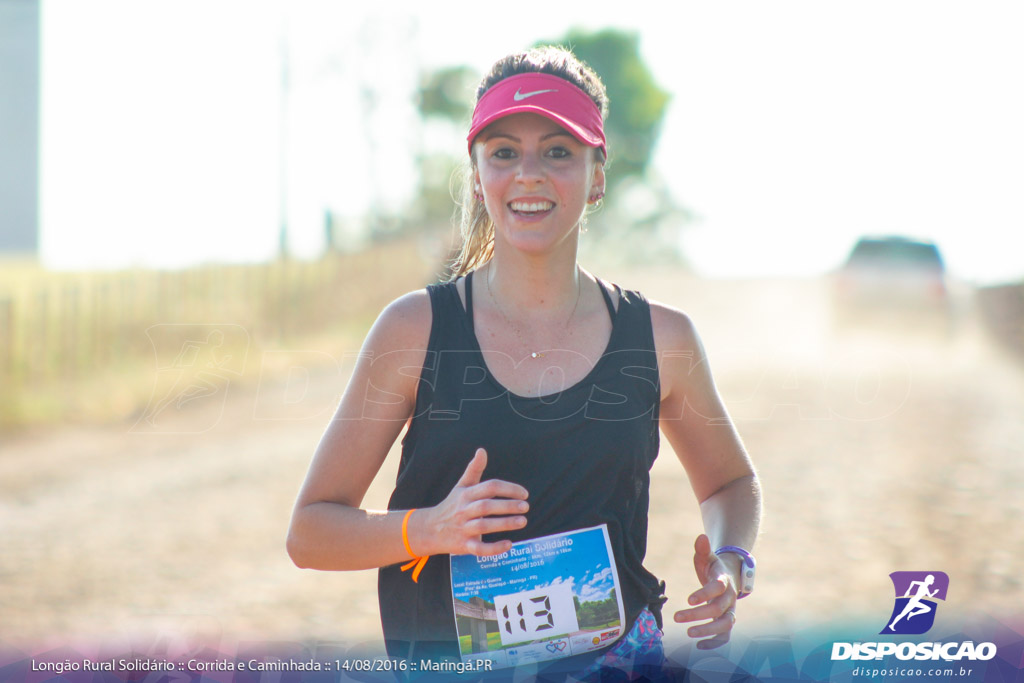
{"type": "Point", "coordinates": [878, 450]}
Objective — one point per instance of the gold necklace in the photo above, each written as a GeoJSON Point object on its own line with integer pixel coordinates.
{"type": "Point", "coordinates": [515, 328]}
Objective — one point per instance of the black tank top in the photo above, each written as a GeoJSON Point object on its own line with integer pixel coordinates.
{"type": "Point", "coordinates": [584, 454]}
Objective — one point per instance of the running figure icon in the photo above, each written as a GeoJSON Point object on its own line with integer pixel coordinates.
{"type": "Point", "coordinates": [917, 595]}
{"type": "Point", "coordinates": [915, 606]}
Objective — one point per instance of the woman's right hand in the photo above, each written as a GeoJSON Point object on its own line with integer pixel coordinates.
{"type": "Point", "coordinates": [472, 509]}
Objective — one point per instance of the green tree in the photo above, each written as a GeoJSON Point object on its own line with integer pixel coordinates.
{"type": "Point", "coordinates": [444, 98]}
{"type": "Point", "coordinates": [447, 93]}
{"type": "Point", "coordinates": [635, 197]}
{"type": "Point", "coordinates": [637, 104]}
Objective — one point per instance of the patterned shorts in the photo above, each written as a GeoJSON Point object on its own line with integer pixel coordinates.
{"type": "Point", "coordinates": [639, 655]}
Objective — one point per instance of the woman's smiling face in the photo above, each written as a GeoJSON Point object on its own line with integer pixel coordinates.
{"type": "Point", "coordinates": [535, 178]}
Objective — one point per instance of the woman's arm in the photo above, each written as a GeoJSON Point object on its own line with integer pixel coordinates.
{"type": "Point", "coordinates": [694, 419]}
{"type": "Point", "coordinates": [328, 529]}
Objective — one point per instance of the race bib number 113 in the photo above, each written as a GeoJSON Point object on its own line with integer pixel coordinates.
{"type": "Point", "coordinates": [537, 613]}
{"type": "Point", "coordinates": [547, 598]}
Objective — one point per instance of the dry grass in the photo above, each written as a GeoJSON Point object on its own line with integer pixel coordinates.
{"type": "Point", "coordinates": [83, 346]}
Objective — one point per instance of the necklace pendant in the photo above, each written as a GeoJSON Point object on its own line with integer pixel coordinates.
{"type": "Point", "coordinates": [536, 355]}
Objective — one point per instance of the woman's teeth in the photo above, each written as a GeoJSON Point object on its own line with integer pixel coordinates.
{"type": "Point", "coordinates": [530, 207]}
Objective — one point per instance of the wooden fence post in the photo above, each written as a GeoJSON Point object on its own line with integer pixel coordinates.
{"type": "Point", "coordinates": [67, 330]}
{"type": "Point", "coordinates": [38, 341]}
{"type": "Point", "coordinates": [6, 340]}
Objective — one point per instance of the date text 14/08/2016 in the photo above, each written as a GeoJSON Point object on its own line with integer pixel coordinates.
{"type": "Point", "coordinates": [424, 665]}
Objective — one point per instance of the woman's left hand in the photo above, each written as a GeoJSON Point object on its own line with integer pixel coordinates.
{"type": "Point", "coordinates": [716, 598]}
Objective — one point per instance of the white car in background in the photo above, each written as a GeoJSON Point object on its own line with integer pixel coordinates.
{"type": "Point", "coordinates": [893, 280]}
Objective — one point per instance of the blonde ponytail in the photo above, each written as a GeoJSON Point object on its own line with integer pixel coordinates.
{"type": "Point", "coordinates": [475, 227]}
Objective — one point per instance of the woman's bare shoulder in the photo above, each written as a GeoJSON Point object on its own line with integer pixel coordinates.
{"type": "Point", "coordinates": [397, 341]}
{"type": "Point", "coordinates": [403, 324]}
{"type": "Point", "coordinates": [673, 329]}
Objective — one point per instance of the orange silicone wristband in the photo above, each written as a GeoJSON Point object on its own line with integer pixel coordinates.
{"type": "Point", "coordinates": [417, 561]}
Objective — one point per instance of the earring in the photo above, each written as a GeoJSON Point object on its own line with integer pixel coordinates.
{"type": "Point", "coordinates": [595, 198]}
{"type": "Point", "coordinates": [478, 194]}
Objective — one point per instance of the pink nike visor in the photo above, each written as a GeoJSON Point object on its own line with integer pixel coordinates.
{"type": "Point", "coordinates": [551, 97]}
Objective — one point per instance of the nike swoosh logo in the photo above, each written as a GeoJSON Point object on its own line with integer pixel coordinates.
{"type": "Point", "coordinates": [519, 96]}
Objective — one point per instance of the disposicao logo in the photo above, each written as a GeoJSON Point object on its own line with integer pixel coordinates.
{"type": "Point", "coordinates": [916, 593]}
{"type": "Point", "coordinates": [913, 614]}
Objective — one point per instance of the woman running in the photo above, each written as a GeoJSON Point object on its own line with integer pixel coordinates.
{"type": "Point", "coordinates": [533, 393]}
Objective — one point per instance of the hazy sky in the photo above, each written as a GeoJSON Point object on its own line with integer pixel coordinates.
{"type": "Point", "coordinates": [794, 126]}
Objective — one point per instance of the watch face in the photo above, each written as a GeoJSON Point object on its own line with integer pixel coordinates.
{"type": "Point", "coordinates": [747, 579]}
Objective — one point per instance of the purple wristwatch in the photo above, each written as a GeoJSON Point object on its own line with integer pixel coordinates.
{"type": "Point", "coordinates": [747, 573]}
